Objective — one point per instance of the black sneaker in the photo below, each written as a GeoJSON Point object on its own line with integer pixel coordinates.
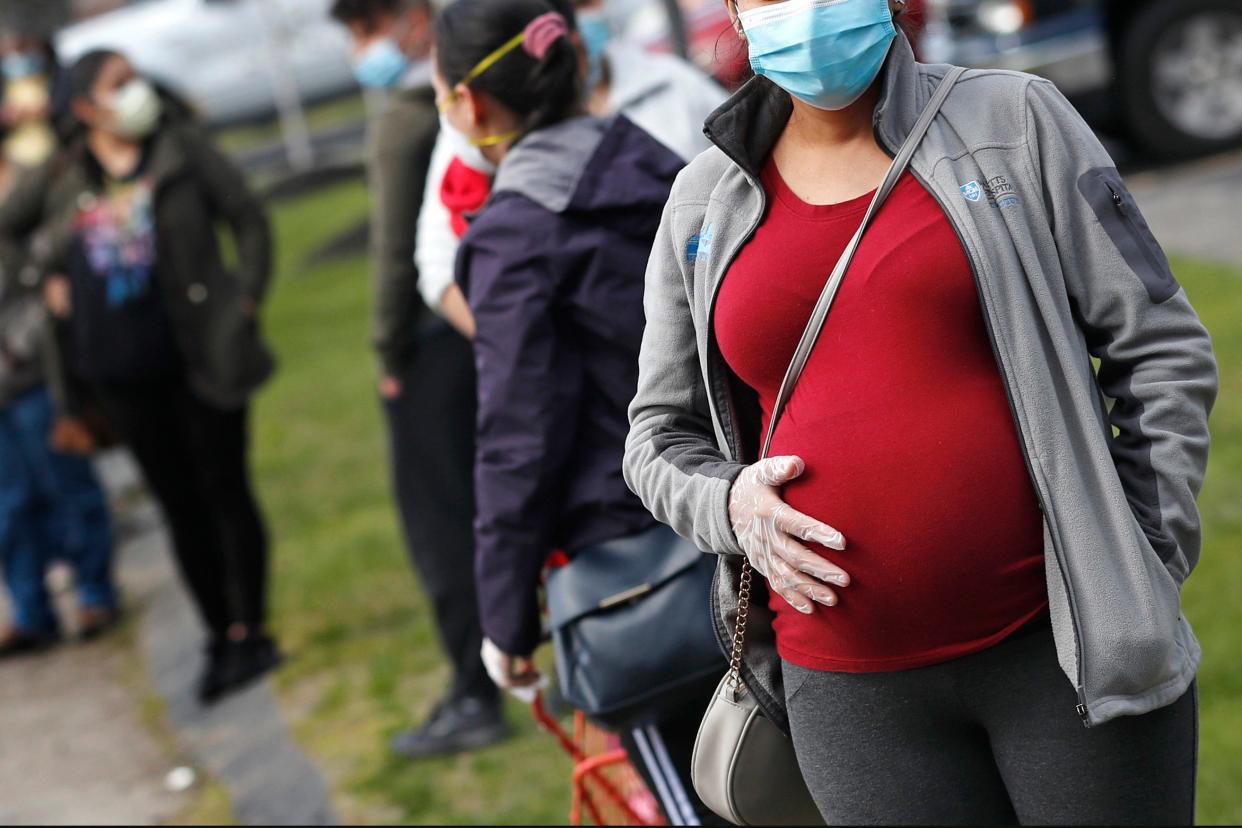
{"type": "Point", "coordinates": [235, 665]}
{"type": "Point", "coordinates": [454, 726]}
{"type": "Point", "coordinates": [15, 641]}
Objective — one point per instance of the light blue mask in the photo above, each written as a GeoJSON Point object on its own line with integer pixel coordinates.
{"type": "Point", "coordinates": [23, 64]}
{"type": "Point", "coordinates": [824, 52]}
{"type": "Point", "coordinates": [596, 32]}
{"type": "Point", "coordinates": [381, 65]}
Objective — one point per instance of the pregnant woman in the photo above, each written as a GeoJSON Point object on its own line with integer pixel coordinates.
{"type": "Point", "coordinates": [968, 555]}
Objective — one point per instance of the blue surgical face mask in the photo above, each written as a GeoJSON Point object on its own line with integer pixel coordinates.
{"type": "Point", "coordinates": [381, 65]}
{"type": "Point", "coordinates": [824, 52]}
{"type": "Point", "coordinates": [23, 64]}
{"type": "Point", "coordinates": [596, 32]}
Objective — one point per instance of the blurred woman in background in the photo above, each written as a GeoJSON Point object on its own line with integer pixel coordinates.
{"type": "Point", "coordinates": [163, 334]}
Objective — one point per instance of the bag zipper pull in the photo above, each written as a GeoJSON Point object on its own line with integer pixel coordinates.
{"type": "Point", "coordinates": [1081, 710]}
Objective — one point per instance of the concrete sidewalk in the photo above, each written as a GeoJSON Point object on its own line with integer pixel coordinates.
{"type": "Point", "coordinates": [74, 747]}
{"type": "Point", "coordinates": [73, 744]}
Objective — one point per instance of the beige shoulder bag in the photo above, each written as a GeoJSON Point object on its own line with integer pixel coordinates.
{"type": "Point", "coordinates": [744, 767]}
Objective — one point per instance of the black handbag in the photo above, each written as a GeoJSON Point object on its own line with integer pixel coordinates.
{"type": "Point", "coordinates": [631, 627]}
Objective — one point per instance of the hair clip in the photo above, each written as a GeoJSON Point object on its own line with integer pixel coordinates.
{"type": "Point", "coordinates": [542, 32]}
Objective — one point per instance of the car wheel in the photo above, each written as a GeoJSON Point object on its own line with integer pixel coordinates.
{"type": "Point", "coordinates": [1180, 76]}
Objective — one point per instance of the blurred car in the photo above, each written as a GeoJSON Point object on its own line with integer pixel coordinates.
{"type": "Point", "coordinates": [224, 56]}
{"type": "Point", "coordinates": [1168, 72]}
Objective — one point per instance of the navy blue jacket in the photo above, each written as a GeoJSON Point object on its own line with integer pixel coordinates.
{"type": "Point", "coordinates": [553, 269]}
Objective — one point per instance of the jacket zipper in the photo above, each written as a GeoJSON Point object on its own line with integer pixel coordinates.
{"type": "Point", "coordinates": [1081, 708]}
{"type": "Point", "coordinates": [1119, 203]}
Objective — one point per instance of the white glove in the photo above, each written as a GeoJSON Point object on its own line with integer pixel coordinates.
{"type": "Point", "coordinates": [771, 533]}
{"type": "Point", "coordinates": [517, 674]}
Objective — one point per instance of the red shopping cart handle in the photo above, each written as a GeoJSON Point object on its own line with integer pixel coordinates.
{"type": "Point", "coordinates": [549, 723]}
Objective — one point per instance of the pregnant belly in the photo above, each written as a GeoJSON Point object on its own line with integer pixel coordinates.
{"type": "Point", "coordinates": [944, 538]}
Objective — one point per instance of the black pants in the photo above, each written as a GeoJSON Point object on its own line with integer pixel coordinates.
{"type": "Point", "coordinates": [431, 446]}
{"type": "Point", "coordinates": [661, 754]}
{"type": "Point", "coordinates": [194, 459]}
{"type": "Point", "coordinates": [990, 738]}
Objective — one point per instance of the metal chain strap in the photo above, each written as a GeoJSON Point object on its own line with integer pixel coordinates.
{"type": "Point", "coordinates": [739, 631]}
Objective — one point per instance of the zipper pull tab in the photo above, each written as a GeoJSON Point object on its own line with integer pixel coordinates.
{"type": "Point", "coordinates": [1118, 201]}
{"type": "Point", "coordinates": [1081, 710]}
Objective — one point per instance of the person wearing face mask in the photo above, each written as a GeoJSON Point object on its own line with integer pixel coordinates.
{"type": "Point", "coordinates": [965, 606]}
{"type": "Point", "coordinates": [34, 98]}
{"type": "Point", "coordinates": [162, 333]}
{"type": "Point", "coordinates": [427, 385]}
{"type": "Point", "coordinates": [665, 95]}
{"type": "Point", "coordinates": [552, 270]}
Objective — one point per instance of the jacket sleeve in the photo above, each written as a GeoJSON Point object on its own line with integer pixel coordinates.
{"type": "Point", "coordinates": [529, 390]}
{"type": "Point", "coordinates": [232, 199]}
{"type": "Point", "coordinates": [672, 459]}
{"type": "Point", "coordinates": [1156, 358]}
{"type": "Point", "coordinates": [31, 241]}
{"type": "Point", "coordinates": [400, 153]}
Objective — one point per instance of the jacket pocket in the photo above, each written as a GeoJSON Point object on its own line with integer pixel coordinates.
{"type": "Point", "coordinates": [1118, 213]}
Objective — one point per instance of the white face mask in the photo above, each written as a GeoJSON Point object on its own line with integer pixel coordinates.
{"type": "Point", "coordinates": [136, 108]}
{"type": "Point", "coordinates": [468, 153]}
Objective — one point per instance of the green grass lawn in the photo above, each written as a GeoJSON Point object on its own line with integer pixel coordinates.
{"type": "Point", "coordinates": [364, 661]}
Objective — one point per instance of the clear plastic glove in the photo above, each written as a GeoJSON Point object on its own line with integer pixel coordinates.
{"type": "Point", "coordinates": [517, 674]}
{"type": "Point", "coordinates": [772, 534]}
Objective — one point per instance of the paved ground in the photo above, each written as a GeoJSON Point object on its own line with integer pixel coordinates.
{"type": "Point", "coordinates": [75, 750]}
{"type": "Point", "coordinates": [1195, 209]}
{"type": "Point", "coordinates": [242, 742]}
{"type": "Point", "coordinates": [73, 746]}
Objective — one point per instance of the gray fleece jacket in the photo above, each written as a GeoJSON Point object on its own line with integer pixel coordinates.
{"type": "Point", "coordinates": [1066, 269]}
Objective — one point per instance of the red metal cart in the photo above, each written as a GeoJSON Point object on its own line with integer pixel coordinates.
{"type": "Point", "coordinates": [605, 785]}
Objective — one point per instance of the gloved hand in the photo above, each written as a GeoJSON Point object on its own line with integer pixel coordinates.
{"type": "Point", "coordinates": [517, 674]}
{"type": "Point", "coordinates": [771, 533]}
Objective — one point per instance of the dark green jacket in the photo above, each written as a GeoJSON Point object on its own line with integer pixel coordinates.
{"type": "Point", "coordinates": [399, 145]}
{"type": "Point", "coordinates": [196, 189]}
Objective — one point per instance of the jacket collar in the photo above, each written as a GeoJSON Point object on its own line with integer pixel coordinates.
{"type": "Point", "coordinates": [746, 126]}
{"type": "Point", "coordinates": [165, 158]}
{"type": "Point", "coordinates": [547, 165]}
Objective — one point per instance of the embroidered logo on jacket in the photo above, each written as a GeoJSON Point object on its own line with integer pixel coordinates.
{"type": "Point", "coordinates": [999, 191]}
{"type": "Point", "coordinates": [700, 245]}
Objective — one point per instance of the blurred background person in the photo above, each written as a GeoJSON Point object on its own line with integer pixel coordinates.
{"type": "Point", "coordinates": [427, 382]}
{"type": "Point", "coordinates": [667, 96]}
{"type": "Point", "coordinates": [164, 334]}
{"type": "Point", "coordinates": [34, 106]}
{"type": "Point", "coordinates": [552, 269]}
{"type": "Point", "coordinates": [51, 504]}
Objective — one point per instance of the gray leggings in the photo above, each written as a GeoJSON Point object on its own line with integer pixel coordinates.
{"type": "Point", "coordinates": [988, 738]}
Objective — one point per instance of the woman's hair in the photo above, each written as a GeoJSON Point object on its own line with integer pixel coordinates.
{"type": "Point", "coordinates": [85, 71]}
{"type": "Point", "coordinates": [910, 22]}
{"type": "Point", "coordinates": [539, 92]}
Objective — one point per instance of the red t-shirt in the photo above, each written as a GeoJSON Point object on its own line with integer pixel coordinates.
{"type": "Point", "coordinates": [902, 419]}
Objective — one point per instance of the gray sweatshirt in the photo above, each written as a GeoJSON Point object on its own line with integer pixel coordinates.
{"type": "Point", "coordinates": [1066, 269]}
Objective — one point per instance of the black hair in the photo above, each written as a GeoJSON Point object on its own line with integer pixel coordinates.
{"type": "Point", "coordinates": [355, 11]}
{"type": "Point", "coordinates": [538, 92]}
{"type": "Point", "coordinates": [566, 9]}
{"type": "Point", "coordinates": [85, 71]}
